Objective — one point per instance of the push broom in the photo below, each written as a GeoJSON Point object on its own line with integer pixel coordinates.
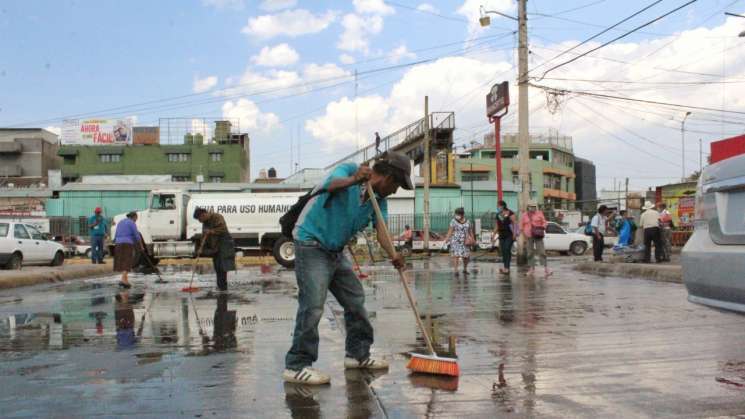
{"type": "Point", "coordinates": [194, 266]}
{"type": "Point", "coordinates": [431, 363]}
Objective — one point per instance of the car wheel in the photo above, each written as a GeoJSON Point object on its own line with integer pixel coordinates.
{"type": "Point", "coordinates": [284, 252]}
{"type": "Point", "coordinates": [406, 251]}
{"type": "Point", "coordinates": [59, 259]}
{"type": "Point", "coordinates": [15, 262]}
{"type": "Point", "coordinates": [88, 254]}
{"type": "Point", "coordinates": [578, 248]}
{"type": "Point", "coordinates": [514, 249]}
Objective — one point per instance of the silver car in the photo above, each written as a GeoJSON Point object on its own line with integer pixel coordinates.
{"type": "Point", "coordinates": [714, 257]}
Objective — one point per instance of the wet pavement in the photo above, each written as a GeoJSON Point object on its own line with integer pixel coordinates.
{"type": "Point", "coordinates": [574, 345]}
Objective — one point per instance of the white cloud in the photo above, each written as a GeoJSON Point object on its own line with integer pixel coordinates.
{"type": "Point", "coordinates": [292, 23]}
{"type": "Point", "coordinates": [205, 84]}
{"type": "Point", "coordinates": [249, 115]}
{"type": "Point", "coordinates": [400, 53]}
{"type": "Point", "coordinates": [460, 83]}
{"type": "Point", "coordinates": [471, 10]}
{"type": "Point", "coordinates": [346, 59]}
{"type": "Point", "coordinates": [224, 4]}
{"type": "Point", "coordinates": [357, 30]}
{"type": "Point", "coordinates": [376, 7]}
{"type": "Point", "coordinates": [278, 56]}
{"type": "Point", "coordinates": [314, 72]}
{"type": "Point", "coordinates": [274, 5]}
{"type": "Point", "coordinates": [426, 7]}
{"type": "Point", "coordinates": [337, 125]}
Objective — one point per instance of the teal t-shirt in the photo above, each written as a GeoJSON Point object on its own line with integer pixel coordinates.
{"type": "Point", "coordinates": [333, 225]}
{"type": "Point", "coordinates": [100, 229]}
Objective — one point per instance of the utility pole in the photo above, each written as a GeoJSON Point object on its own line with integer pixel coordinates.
{"type": "Point", "coordinates": [356, 118]}
{"type": "Point", "coordinates": [683, 144]}
{"type": "Point", "coordinates": [425, 167]}
{"type": "Point", "coordinates": [522, 113]}
{"type": "Point", "coordinates": [627, 195]}
{"type": "Point", "coordinates": [700, 157]}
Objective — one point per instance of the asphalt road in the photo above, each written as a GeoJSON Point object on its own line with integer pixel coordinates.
{"type": "Point", "coordinates": [575, 345]}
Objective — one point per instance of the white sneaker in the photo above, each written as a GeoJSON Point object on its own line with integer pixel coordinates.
{"type": "Point", "coordinates": [370, 363]}
{"type": "Point", "coordinates": [307, 375]}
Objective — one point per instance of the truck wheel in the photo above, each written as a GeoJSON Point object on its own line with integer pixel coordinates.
{"type": "Point", "coordinates": [284, 252]}
{"type": "Point", "coordinates": [88, 253]}
{"type": "Point", "coordinates": [15, 262]}
{"type": "Point", "coordinates": [59, 259]}
{"type": "Point", "coordinates": [578, 248]}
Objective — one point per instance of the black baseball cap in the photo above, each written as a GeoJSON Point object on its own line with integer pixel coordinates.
{"type": "Point", "coordinates": [401, 162]}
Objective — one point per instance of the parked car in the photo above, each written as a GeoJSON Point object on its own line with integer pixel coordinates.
{"type": "Point", "coordinates": [713, 258]}
{"type": "Point", "coordinates": [609, 241]}
{"type": "Point", "coordinates": [559, 240]}
{"type": "Point", "coordinates": [436, 242]}
{"type": "Point", "coordinates": [22, 244]}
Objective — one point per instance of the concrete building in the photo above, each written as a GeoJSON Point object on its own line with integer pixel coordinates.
{"type": "Point", "coordinates": [26, 156]}
{"type": "Point", "coordinates": [551, 167]}
{"type": "Point", "coordinates": [226, 160]}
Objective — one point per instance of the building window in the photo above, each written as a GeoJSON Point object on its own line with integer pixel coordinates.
{"type": "Point", "coordinates": [110, 158]}
{"type": "Point", "coordinates": [216, 157]}
{"type": "Point", "coordinates": [474, 177]}
{"type": "Point", "coordinates": [180, 178]}
{"type": "Point", "coordinates": [178, 157]}
{"type": "Point", "coordinates": [216, 179]}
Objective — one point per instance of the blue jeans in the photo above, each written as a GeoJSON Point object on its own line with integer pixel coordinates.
{"type": "Point", "coordinates": [505, 247]}
{"type": "Point", "coordinates": [97, 249]}
{"type": "Point", "coordinates": [318, 271]}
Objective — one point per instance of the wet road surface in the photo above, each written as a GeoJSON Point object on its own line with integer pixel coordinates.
{"type": "Point", "coordinates": [573, 345]}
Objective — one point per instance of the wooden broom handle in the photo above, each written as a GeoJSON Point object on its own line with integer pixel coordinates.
{"type": "Point", "coordinates": [401, 272]}
{"type": "Point", "coordinates": [196, 260]}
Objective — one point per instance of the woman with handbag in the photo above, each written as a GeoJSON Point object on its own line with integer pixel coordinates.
{"type": "Point", "coordinates": [533, 226]}
{"type": "Point", "coordinates": [460, 238]}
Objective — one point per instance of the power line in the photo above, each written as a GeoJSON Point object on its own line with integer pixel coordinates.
{"type": "Point", "coordinates": [428, 12]}
{"type": "Point", "coordinates": [637, 13]}
{"type": "Point", "coordinates": [654, 102]}
{"type": "Point", "coordinates": [574, 9]}
{"type": "Point", "coordinates": [623, 35]}
{"type": "Point", "coordinates": [675, 83]}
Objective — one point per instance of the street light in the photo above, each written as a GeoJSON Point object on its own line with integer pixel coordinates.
{"type": "Point", "coordinates": [485, 20]}
{"type": "Point", "coordinates": [683, 143]}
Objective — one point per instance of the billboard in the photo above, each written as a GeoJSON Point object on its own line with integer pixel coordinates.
{"type": "Point", "coordinates": [97, 132]}
{"type": "Point", "coordinates": [498, 98]}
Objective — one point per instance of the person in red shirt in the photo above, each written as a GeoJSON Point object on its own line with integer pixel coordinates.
{"type": "Point", "coordinates": [407, 236]}
{"type": "Point", "coordinates": [533, 226]}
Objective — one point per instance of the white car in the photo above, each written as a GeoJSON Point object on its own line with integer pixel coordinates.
{"type": "Point", "coordinates": [559, 240]}
{"type": "Point", "coordinates": [22, 244]}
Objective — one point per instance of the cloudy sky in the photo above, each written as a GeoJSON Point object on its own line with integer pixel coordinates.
{"type": "Point", "coordinates": [286, 70]}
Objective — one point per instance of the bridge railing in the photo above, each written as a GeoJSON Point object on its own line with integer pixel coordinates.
{"type": "Point", "coordinates": [438, 120]}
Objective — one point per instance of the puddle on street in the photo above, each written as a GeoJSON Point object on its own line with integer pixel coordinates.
{"type": "Point", "coordinates": [574, 345]}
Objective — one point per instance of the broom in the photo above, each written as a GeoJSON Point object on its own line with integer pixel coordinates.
{"type": "Point", "coordinates": [194, 267]}
{"type": "Point", "coordinates": [429, 364]}
{"type": "Point", "coordinates": [360, 275]}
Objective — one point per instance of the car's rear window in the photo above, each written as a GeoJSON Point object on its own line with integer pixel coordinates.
{"type": "Point", "coordinates": [4, 230]}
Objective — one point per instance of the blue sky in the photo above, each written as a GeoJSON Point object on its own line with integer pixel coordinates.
{"type": "Point", "coordinates": [62, 58]}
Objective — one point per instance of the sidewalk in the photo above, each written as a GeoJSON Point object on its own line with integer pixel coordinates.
{"type": "Point", "coordinates": [667, 272]}
{"type": "Point", "coordinates": [34, 275]}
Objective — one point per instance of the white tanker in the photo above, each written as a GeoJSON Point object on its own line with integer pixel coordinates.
{"type": "Point", "coordinates": [169, 230]}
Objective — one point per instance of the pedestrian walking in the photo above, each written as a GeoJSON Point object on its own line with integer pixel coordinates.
{"type": "Point", "coordinates": [506, 231]}
{"type": "Point", "coordinates": [460, 239]}
{"type": "Point", "coordinates": [99, 227]}
{"type": "Point", "coordinates": [599, 225]}
{"type": "Point", "coordinates": [533, 226]}
{"type": "Point", "coordinates": [650, 224]}
{"type": "Point", "coordinates": [127, 242]}
{"type": "Point", "coordinates": [329, 219]}
{"type": "Point", "coordinates": [377, 144]}
{"type": "Point", "coordinates": [666, 231]}
{"type": "Point", "coordinates": [218, 244]}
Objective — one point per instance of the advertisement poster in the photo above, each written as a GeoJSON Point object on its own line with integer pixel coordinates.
{"type": "Point", "coordinates": [97, 132]}
{"type": "Point", "coordinates": [686, 208]}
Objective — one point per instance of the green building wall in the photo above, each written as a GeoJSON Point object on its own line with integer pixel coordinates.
{"type": "Point", "coordinates": [82, 203]}
{"type": "Point", "coordinates": [153, 160]}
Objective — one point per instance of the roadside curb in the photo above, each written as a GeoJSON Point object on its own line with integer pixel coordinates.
{"type": "Point", "coordinates": [662, 273]}
{"type": "Point", "coordinates": [49, 275]}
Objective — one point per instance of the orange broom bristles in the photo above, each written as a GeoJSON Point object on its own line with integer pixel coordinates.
{"type": "Point", "coordinates": [433, 364]}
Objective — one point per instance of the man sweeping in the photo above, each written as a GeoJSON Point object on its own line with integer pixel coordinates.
{"type": "Point", "coordinates": [327, 222]}
{"type": "Point", "coordinates": [218, 244]}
